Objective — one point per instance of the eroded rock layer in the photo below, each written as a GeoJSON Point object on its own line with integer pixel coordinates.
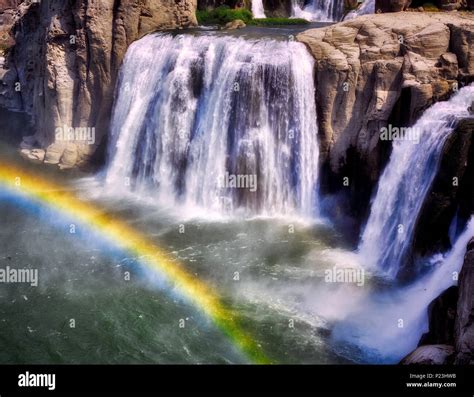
{"type": "Point", "coordinates": [374, 71]}
{"type": "Point", "coordinates": [63, 68]}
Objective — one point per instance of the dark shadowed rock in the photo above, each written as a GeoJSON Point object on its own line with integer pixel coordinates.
{"type": "Point", "coordinates": [452, 191]}
{"type": "Point", "coordinates": [441, 313]}
{"type": "Point", "coordinates": [391, 5]}
{"type": "Point", "coordinates": [277, 8]}
{"type": "Point", "coordinates": [430, 355]}
{"type": "Point", "coordinates": [464, 328]}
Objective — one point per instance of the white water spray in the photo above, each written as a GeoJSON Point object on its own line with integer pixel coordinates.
{"type": "Point", "coordinates": [192, 111]}
{"type": "Point", "coordinates": [367, 7]}
{"type": "Point", "coordinates": [257, 9]}
{"type": "Point", "coordinates": [405, 182]}
{"type": "Point", "coordinates": [390, 324]}
{"type": "Point", "coordinates": [319, 10]}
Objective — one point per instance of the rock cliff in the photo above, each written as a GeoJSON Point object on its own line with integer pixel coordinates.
{"type": "Point", "coordinates": [63, 67]}
{"type": "Point", "coordinates": [373, 71]}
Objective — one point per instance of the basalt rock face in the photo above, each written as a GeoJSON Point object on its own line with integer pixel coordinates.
{"type": "Point", "coordinates": [464, 327]}
{"type": "Point", "coordinates": [66, 59]}
{"type": "Point", "coordinates": [373, 71]}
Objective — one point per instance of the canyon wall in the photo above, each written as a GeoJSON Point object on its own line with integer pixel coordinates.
{"type": "Point", "coordinates": [63, 67]}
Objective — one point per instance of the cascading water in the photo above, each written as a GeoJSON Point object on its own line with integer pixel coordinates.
{"type": "Point", "coordinates": [405, 182]}
{"type": "Point", "coordinates": [193, 114]}
{"type": "Point", "coordinates": [367, 7]}
{"type": "Point", "coordinates": [257, 9]}
{"type": "Point", "coordinates": [374, 322]}
{"type": "Point", "coordinates": [319, 10]}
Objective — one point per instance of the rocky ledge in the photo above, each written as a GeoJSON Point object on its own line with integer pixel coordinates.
{"type": "Point", "coordinates": [373, 71]}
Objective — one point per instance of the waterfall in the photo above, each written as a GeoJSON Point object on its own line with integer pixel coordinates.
{"type": "Point", "coordinates": [196, 115]}
{"type": "Point", "coordinates": [373, 323]}
{"type": "Point", "coordinates": [319, 10]}
{"type": "Point", "coordinates": [405, 182]}
{"type": "Point", "coordinates": [367, 7]}
{"type": "Point", "coordinates": [257, 9]}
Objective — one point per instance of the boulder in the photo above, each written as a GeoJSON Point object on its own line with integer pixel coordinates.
{"type": "Point", "coordinates": [236, 24]}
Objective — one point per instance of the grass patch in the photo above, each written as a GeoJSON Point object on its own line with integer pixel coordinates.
{"type": "Point", "coordinates": [278, 21]}
{"type": "Point", "coordinates": [222, 15]}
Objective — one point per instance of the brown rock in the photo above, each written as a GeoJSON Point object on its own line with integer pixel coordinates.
{"type": "Point", "coordinates": [430, 355]}
{"type": "Point", "coordinates": [236, 24]}
{"type": "Point", "coordinates": [373, 70]}
{"type": "Point", "coordinates": [392, 5]}
{"type": "Point", "coordinates": [68, 54]}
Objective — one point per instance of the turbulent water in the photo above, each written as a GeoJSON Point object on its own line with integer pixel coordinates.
{"type": "Point", "coordinates": [194, 115]}
{"type": "Point", "coordinates": [390, 322]}
{"type": "Point", "coordinates": [136, 320]}
{"type": "Point", "coordinates": [405, 182]}
{"type": "Point", "coordinates": [319, 10]}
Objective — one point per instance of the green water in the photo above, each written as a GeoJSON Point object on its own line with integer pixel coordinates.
{"type": "Point", "coordinates": [279, 296]}
{"type": "Point", "coordinates": [266, 270]}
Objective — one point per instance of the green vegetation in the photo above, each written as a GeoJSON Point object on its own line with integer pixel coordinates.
{"type": "Point", "coordinates": [278, 21]}
{"type": "Point", "coordinates": [222, 15]}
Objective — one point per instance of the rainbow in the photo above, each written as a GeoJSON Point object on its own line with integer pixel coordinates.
{"type": "Point", "coordinates": [33, 187]}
